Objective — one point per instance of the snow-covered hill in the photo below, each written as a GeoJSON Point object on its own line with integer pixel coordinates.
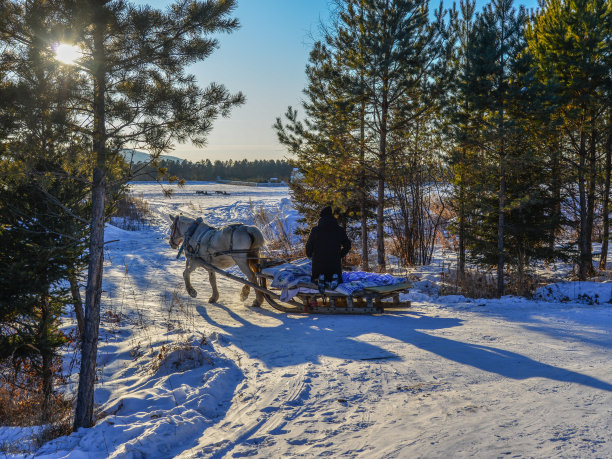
{"type": "Point", "coordinates": [449, 377]}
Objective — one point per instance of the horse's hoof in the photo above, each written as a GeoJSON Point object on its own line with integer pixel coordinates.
{"type": "Point", "coordinates": [192, 293]}
{"type": "Point", "coordinates": [213, 299]}
{"type": "Point", "coordinates": [256, 304]}
{"type": "Point", "coordinates": [244, 295]}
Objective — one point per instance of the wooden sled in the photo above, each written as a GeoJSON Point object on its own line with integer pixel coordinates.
{"type": "Point", "coordinates": [371, 300]}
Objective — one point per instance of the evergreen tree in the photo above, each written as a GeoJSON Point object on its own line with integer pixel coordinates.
{"type": "Point", "coordinates": [457, 113]}
{"type": "Point", "coordinates": [571, 44]}
{"type": "Point", "coordinates": [488, 133]}
{"type": "Point", "coordinates": [325, 145]}
{"type": "Point", "coordinates": [397, 47]}
{"type": "Point", "coordinates": [133, 92]}
{"type": "Point", "coordinates": [42, 195]}
{"type": "Point", "coordinates": [366, 87]}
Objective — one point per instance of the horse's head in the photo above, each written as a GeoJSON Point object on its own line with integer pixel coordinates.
{"type": "Point", "coordinates": [176, 235]}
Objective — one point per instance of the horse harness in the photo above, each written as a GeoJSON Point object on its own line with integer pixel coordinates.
{"type": "Point", "coordinates": [188, 234]}
{"type": "Point", "coordinates": [193, 251]}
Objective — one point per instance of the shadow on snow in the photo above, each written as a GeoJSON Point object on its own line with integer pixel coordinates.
{"type": "Point", "coordinates": [337, 337]}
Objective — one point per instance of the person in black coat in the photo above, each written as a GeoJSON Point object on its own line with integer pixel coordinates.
{"type": "Point", "coordinates": [327, 244]}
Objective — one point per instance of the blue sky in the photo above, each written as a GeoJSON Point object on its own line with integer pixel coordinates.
{"type": "Point", "coordinates": [265, 59]}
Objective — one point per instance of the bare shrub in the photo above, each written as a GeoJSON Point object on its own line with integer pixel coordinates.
{"type": "Point", "coordinates": [483, 284]}
{"type": "Point", "coordinates": [180, 357]}
{"type": "Point", "coordinates": [419, 217]}
{"type": "Point", "coordinates": [131, 213]}
{"type": "Point", "coordinates": [280, 242]}
{"type": "Point", "coordinates": [24, 405]}
{"type": "Point", "coordinates": [473, 284]}
{"type": "Point", "coordinates": [352, 260]}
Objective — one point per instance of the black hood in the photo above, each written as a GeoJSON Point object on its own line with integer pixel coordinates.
{"type": "Point", "coordinates": [328, 221]}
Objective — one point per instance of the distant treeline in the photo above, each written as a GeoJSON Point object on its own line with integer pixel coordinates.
{"type": "Point", "coordinates": [257, 171]}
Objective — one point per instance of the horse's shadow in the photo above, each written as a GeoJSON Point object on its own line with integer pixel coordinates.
{"type": "Point", "coordinates": [343, 337]}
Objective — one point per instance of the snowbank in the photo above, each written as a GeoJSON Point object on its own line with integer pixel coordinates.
{"type": "Point", "coordinates": [158, 410]}
{"type": "Point", "coordinates": [578, 292]}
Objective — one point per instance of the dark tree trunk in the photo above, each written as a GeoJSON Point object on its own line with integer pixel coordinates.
{"type": "Point", "coordinates": [591, 191]}
{"type": "Point", "coordinates": [556, 191]}
{"type": "Point", "coordinates": [89, 347]}
{"type": "Point", "coordinates": [502, 169]}
{"type": "Point", "coordinates": [583, 237]}
{"type": "Point", "coordinates": [500, 228]}
{"type": "Point", "coordinates": [605, 238]}
{"type": "Point", "coordinates": [365, 264]}
{"type": "Point", "coordinates": [380, 221]}
{"type": "Point", "coordinates": [47, 360]}
{"type": "Point", "coordinates": [382, 172]}
{"type": "Point", "coordinates": [77, 301]}
{"type": "Point", "coordinates": [461, 264]}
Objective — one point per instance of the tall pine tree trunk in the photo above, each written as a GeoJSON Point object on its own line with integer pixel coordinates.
{"type": "Point", "coordinates": [382, 172]}
{"type": "Point", "coordinates": [556, 191]}
{"type": "Point", "coordinates": [77, 303]}
{"type": "Point", "coordinates": [591, 191]}
{"type": "Point", "coordinates": [605, 238]}
{"type": "Point", "coordinates": [363, 207]}
{"type": "Point", "coordinates": [502, 162]}
{"type": "Point", "coordinates": [85, 398]}
{"type": "Point", "coordinates": [461, 266]}
{"type": "Point", "coordinates": [500, 228]}
{"type": "Point", "coordinates": [583, 237]}
{"type": "Point", "coordinates": [380, 220]}
{"type": "Point", "coordinates": [47, 360]}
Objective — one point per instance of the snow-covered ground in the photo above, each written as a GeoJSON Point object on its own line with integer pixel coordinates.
{"type": "Point", "coordinates": [448, 377]}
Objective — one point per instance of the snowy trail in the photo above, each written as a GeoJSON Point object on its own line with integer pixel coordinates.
{"type": "Point", "coordinates": [448, 377]}
{"type": "Point", "coordinates": [452, 389]}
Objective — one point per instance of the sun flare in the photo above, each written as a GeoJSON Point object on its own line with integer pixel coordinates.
{"type": "Point", "coordinates": [67, 54]}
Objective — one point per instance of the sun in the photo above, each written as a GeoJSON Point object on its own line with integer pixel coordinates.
{"type": "Point", "coordinates": [67, 54]}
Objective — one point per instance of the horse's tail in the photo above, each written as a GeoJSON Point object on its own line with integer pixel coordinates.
{"type": "Point", "coordinates": [256, 236]}
{"type": "Point", "coordinates": [253, 260]}
{"type": "Point", "coordinates": [258, 241]}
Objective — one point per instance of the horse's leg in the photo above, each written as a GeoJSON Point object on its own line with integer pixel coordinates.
{"type": "Point", "coordinates": [189, 268]}
{"type": "Point", "coordinates": [245, 267]}
{"type": "Point", "coordinates": [242, 264]}
{"type": "Point", "coordinates": [244, 293]}
{"type": "Point", "coordinates": [212, 277]}
{"type": "Point", "coordinates": [254, 266]}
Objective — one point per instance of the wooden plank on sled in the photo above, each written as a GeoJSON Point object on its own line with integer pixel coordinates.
{"type": "Point", "coordinates": [335, 310]}
{"type": "Point", "coordinates": [339, 304]}
{"type": "Point", "coordinates": [390, 288]}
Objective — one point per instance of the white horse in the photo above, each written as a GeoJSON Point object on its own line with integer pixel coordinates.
{"type": "Point", "coordinates": [235, 244]}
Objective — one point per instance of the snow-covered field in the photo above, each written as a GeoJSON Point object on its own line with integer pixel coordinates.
{"type": "Point", "coordinates": [449, 377]}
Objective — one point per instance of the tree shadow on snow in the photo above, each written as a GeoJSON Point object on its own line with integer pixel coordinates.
{"type": "Point", "coordinates": [345, 337]}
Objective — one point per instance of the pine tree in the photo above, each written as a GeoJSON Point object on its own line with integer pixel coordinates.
{"type": "Point", "coordinates": [42, 195]}
{"type": "Point", "coordinates": [133, 91]}
{"type": "Point", "coordinates": [326, 144]}
{"type": "Point", "coordinates": [457, 115]}
{"type": "Point", "coordinates": [397, 47]}
{"type": "Point", "coordinates": [485, 129]}
{"type": "Point", "coordinates": [571, 44]}
{"type": "Point", "coordinates": [366, 86]}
